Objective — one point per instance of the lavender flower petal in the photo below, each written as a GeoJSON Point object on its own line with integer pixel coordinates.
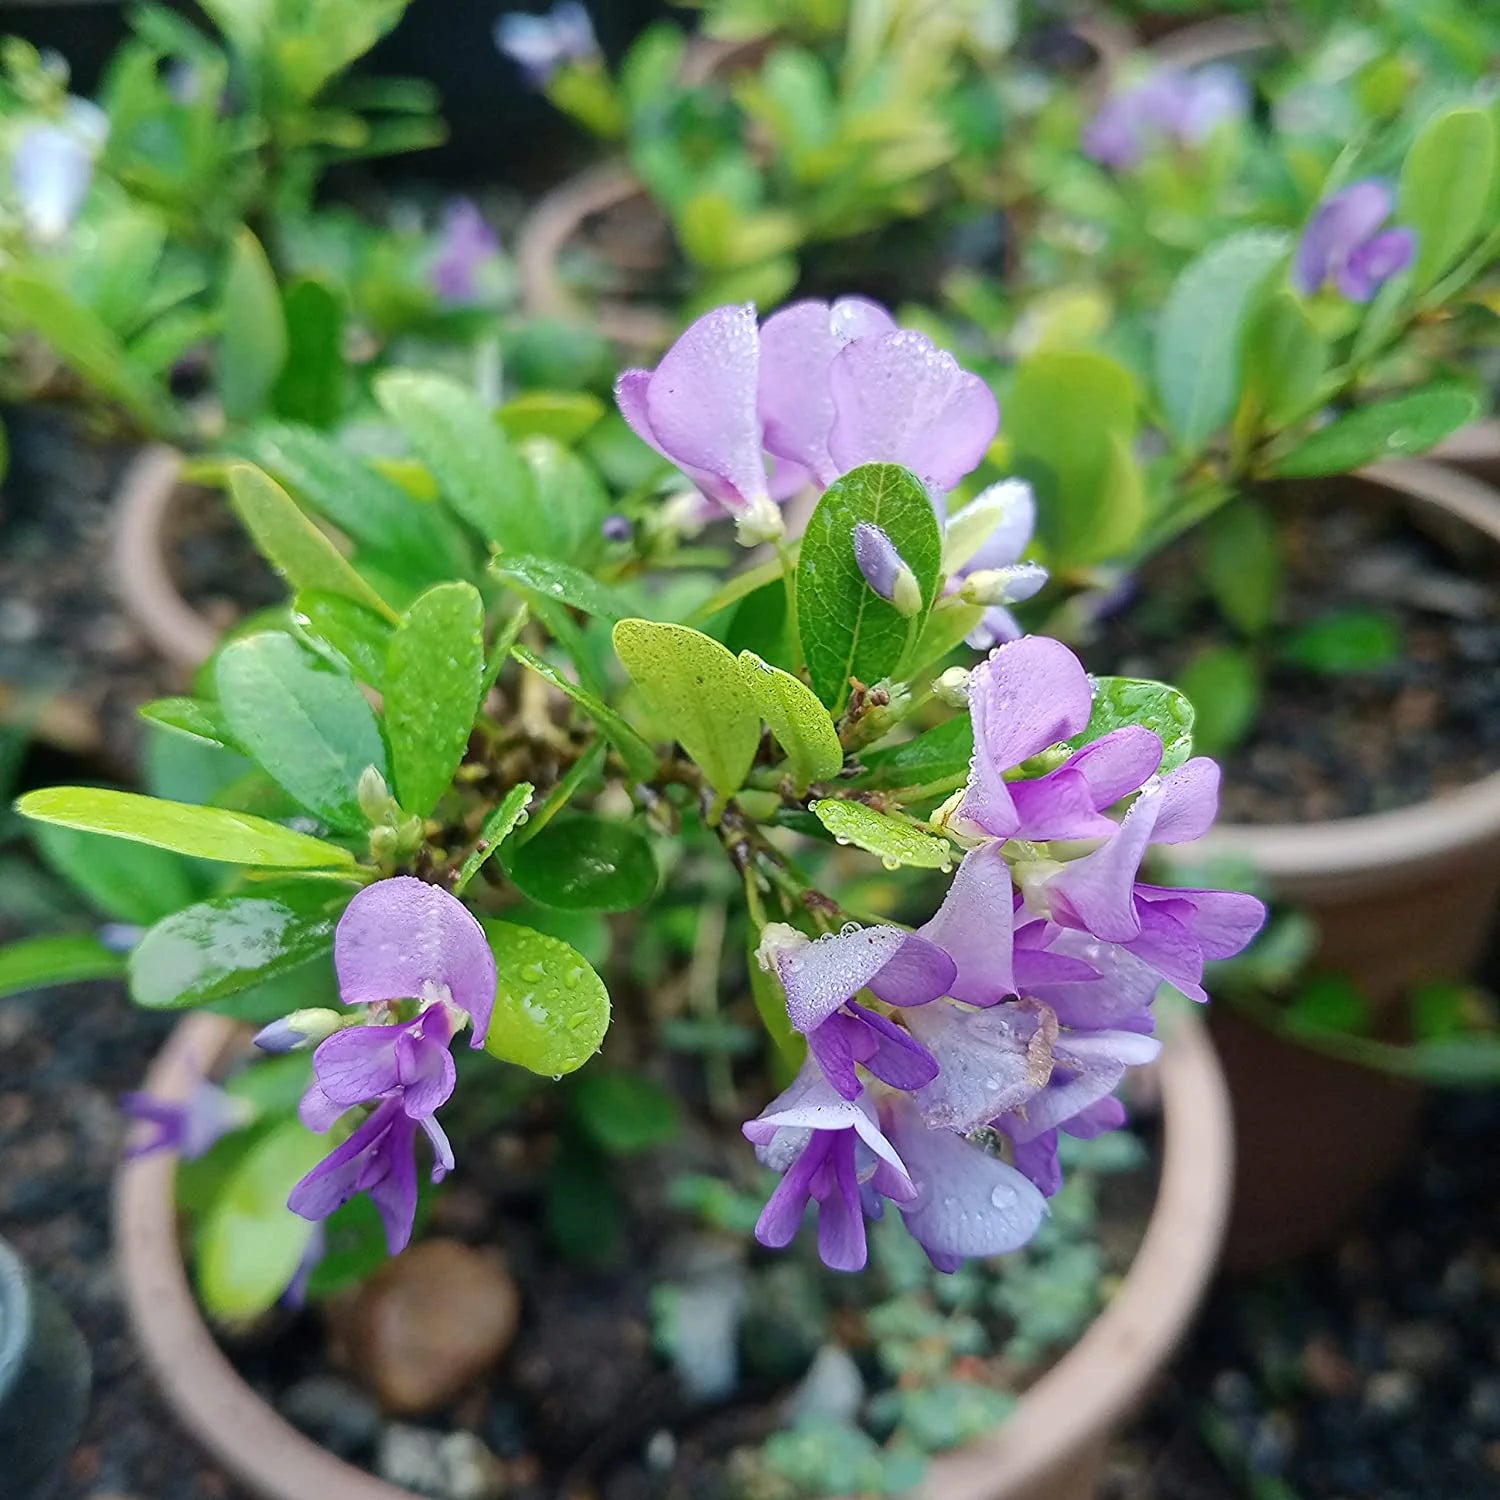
{"type": "Point", "coordinates": [973, 927]}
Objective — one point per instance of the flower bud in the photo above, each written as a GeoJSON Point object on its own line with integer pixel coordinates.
{"type": "Point", "coordinates": [301, 1029]}
{"type": "Point", "coordinates": [952, 688]}
{"type": "Point", "coordinates": [1009, 585]}
{"type": "Point", "coordinates": [943, 818]}
{"type": "Point", "coordinates": [375, 800]}
{"type": "Point", "coordinates": [884, 570]}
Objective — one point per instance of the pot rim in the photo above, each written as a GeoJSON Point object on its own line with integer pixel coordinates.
{"type": "Point", "coordinates": [15, 1319]}
{"type": "Point", "coordinates": [1072, 1407]}
{"type": "Point", "coordinates": [1428, 832]}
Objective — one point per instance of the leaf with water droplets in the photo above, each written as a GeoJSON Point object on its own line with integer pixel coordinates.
{"type": "Point", "coordinates": [1157, 706]}
{"type": "Point", "coordinates": [551, 1008]}
{"type": "Point", "coordinates": [585, 864]}
{"type": "Point", "coordinates": [801, 724]}
{"type": "Point", "coordinates": [895, 842]}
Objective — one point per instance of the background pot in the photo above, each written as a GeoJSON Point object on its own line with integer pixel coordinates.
{"type": "Point", "coordinates": [1398, 897]}
{"type": "Point", "coordinates": [1051, 1449]}
{"type": "Point", "coordinates": [44, 1383]}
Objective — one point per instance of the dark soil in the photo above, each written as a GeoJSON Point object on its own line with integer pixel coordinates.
{"type": "Point", "coordinates": [1325, 744]}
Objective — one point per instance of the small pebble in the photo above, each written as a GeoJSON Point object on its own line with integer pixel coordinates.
{"type": "Point", "coordinates": [832, 1390]}
{"type": "Point", "coordinates": [441, 1465]}
{"type": "Point", "coordinates": [661, 1451]}
{"type": "Point", "coordinates": [1391, 1393]}
{"type": "Point", "coordinates": [1484, 1404]}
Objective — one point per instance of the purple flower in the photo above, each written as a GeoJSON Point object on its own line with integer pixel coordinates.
{"type": "Point", "coordinates": [409, 1061]}
{"type": "Point", "coordinates": [1344, 243]}
{"type": "Point", "coordinates": [295, 1295]}
{"type": "Point", "coordinates": [967, 1202]}
{"type": "Point", "coordinates": [52, 166]}
{"type": "Point", "coordinates": [1035, 1155]}
{"type": "Point", "coordinates": [378, 1158]}
{"type": "Point", "coordinates": [884, 570]}
{"type": "Point", "coordinates": [831, 1151]}
{"type": "Point", "coordinates": [982, 547]}
{"type": "Point", "coordinates": [540, 45]}
{"type": "Point", "coordinates": [191, 1127]}
{"type": "Point", "coordinates": [1181, 108]}
{"type": "Point", "coordinates": [466, 245]}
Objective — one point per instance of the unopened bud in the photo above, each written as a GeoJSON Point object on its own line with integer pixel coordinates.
{"type": "Point", "coordinates": [885, 570]}
{"type": "Point", "coordinates": [375, 800]}
{"type": "Point", "coordinates": [952, 688]}
{"type": "Point", "coordinates": [301, 1029]}
{"type": "Point", "coordinates": [762, 522]}
{"type": "Point", "coordinates": [384, 844]}
{"type": "Point", "coordinates": [1003, 585]}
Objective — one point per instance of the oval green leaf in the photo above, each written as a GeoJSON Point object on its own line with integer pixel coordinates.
{"type": "Point", "coordinates": [59, 958]}
{"type": "Point", "coordinates": [1389, 429]}
{"type": "Point", "coordinates": [1446, 184]}
{"type": "Point", "coordinates": [1157, 706]}
{"type": "Point", "coordinates": [130, 882]}
{"type": "Point", "coordinates": [799, 721]}
{"type": "Point", "coordinates": [932, 756]}
{"type": "Point", "coordinates": [543, 577]}
{"type": "Point", "coordinates": [497, 828]}
{"type": "Point", "coordinates": [203, 832]}
{"type": "Point", "coordinates": [357, 636]}
{"type": "Point", "coordinates": [551, 1008]}
{"type": "Point", "coordinates": [564, 416]}
{"type": "Point", "coordinates": [310, 728]}
{"type": "Point", "coordinates": [585, 864]}
{"type": "Point", "coordinates": [253, 347]}
{"type": "Point", "coordinates": [895, 842]}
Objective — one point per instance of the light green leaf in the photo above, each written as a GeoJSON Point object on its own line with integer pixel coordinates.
{"type": "Point", "coordinates": [551, 1008]}
{"type": "Point", "coordinates": [497, 828]}
{"type": "Point", "coordinates": [253, 348]}
{"type": "Point", "coordinates": [1071, 416]}
{"type": "Point", "coordinates": [1119, 701]}
{"type": "Point", "coordinates": [640, 759]}
{"type": "Point", "coordinates": [295, 547]}
{"type": "Point", "coordinates": [1200, 334]}
{"type": "Point", "coordinates": [801, 724]}
{"type": "Point", "coordinates": [1389, 429]}
{"type": "Point", "coordinates": [129, 882]}
{"type": "Point", "coordinates": [356, 635]}
{"type": "Point", "coordinates": [1242, 564]}
{"type": "Point", "coordinates": [571, 500]}
{"type": "Point", "coordinates": [933, 755]}
{"type": "Point", "coordinates": [564, 416]}
{"type": "Point", "coordinates": [1356, 639]}
{"type": "Point", "coordinates": [63, 958]}
{"type": "Point", "coordinates": [584, 864]}
{"type": "Point", "coordinates": [625, 1112]}
{"type": "Point", "coordinates": [250, 1243]}
{"type": "Point", "coordinates": [192, 717]}
{"type": "Point", "coordinates": [219, 948]}
{"type": "Point", "coordinates": [947, 627]}
{"type": "Point", "coordinates": [1446, 184]}
{"type": "Point", "coordinates": [693, 692]}
{"type": "Point", "coordinates": [847, 629]}
{"type": "Point", "coordinates": [309, 727]}
{"type": "Point", "coordinates": [896, 843]}
{"type": "Point", "coordinates": [433, 679]}
{"type": "Point", "coordinates": [203, 832]}
{"type": "Point", "coordinates": [454, 433]}
{"type": "Point", "coordinates": [541, 577]}
{"type": "Point", "coordinates": [1223, 684]}
{"type": "Point", "coordinates": [1286, 358]}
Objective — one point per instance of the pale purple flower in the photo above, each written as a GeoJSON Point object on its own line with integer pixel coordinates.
{"type": "Point", "coordinates": [982, 549]}
{"type": "Point", "coordinates": [191, 1127]}
{"type": "Point", "coordinates": [52, 166]}
{"type": "Point", "coordinates": [616, 528]}
{"type": "Point", "coordinates": [884, 570]}
{"type": "Point", "coordinates": [466, 245]}
{"type": "Point", "coordinates": [408, 1060]}
{"type": "Point", "coordinates": [540, 45]}
{"type": "Point", "coordinates": [967, 1203]}
{"type": "Point", "coordinates": [295, 1294]}
{"type": "Point", "coordinates": [1345, 243]}
{"type": "Point", "coordinates": [830, 1151]}
{"type": "Point", "coordinates": [1169, 106]}
{"type": "Point", "coordinates": [1035, 1155]}
{"type": "Point", "coordinates": [378, 1158]}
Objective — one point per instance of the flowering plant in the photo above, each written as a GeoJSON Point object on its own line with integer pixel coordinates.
{"type": "Point", "coordinates": [552, 735]}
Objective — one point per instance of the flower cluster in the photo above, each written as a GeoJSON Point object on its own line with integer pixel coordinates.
{"type": "Point", "coordinates": [400, 943]}
{"type": "Point", "coordinates": [1172, 105]}
{"type": "Point", "coordinates": [753, 413]}
{"type": "Point", "coordinates": [1346, 243]}
{"type": "Point", "coordinates": [1015, 1011]}
{"type": "Point", "coordinates": [540, 45]}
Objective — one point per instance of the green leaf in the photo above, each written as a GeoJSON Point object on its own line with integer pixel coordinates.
{"type": "Point", "coordinates": [1446, 184]}
{"type": "Point", "coordinates": [497, 828]}
{"type": "Point", "coordinates": [1156, 706]}
{"type": "Point", "coordinates": [895, 842]}
{"type": "Point", "coordinates": [693, 692]}
{"type": "Point", "coordinates": [295, 547]}
{"type": "Point", "coordinates": [311, 385]}
{"type": "Point", "coordinates": [1200, 334]}
{"type": "Point", "coordinates": [542, 577]}
{"type": "Point", "coordinates": [83, 341]}
{"type": "Point", "coordinates": [356, 636]}
{"type": "Point", "coordinates": [551, 1008]}
{"type": "Point", "coordinates": [1358, 639]}
{"type": "Point", "coordinates": [63, 958]}
{"type": "Point", "coordinates": [203, 832]}
{"type": "Point", "coordinates": [1223, 684]}
{"type": "Point", "coordinates": [770, 1003]}
{"type": "Point", "coordinates": [253, 347]}
{"type": "Point", "coordinates": [409, 538]}
{"type": "Point", "coordinates": [935, 754]}
{"type": "Point", "coordinates": [625, 1112]}
{"type": "Point", "coordinates": [309, 727]}
{"type": "Point", "coordinates": [454, 433]}
{"type": "Point", "coordinates": [585, 864]}
{"type": "Point", "coordinates": [801, 724]}
{"type": "Point", "coordinates": [130, 882]}
{"type": "Point", "coordinates": [847, 629]}
{"type": "Point", "coordinates": [219, 948]}
{"type": "Point", "coordinates": [571, 501]}
{"type": "Point", "coordinates": [1389, 429]}
{"type": "Point", "coordinates": [189, 716]}
{"type": "Point", "coordinates": [250, 1243]}
{"type": "Point", "coordinates": [640, 759]}
{"type": "Point", "coordinates": [434, 676]}
{"type": "Point", "coordinates": [1285, 358]}
{"type": "Point", "coordinates": [1072, 417]}
{"type": "Point", "coordinates": [947, 627]}
{"type": "Point", "coordinates": [564, 416]}
{"type": "Point", "coordinates": [1242, 565]}
{"type": "Point", "coordinates": [1328, 1002]}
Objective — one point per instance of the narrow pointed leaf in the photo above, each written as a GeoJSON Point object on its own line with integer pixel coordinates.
{"type": "Point", "coordinates": [356, 636]}
{"type": "Point", "coordinates": [497, 828]}
{"type": "Point", "coordinates": [640, 759]}
{"type": "Point", "coordinates": [253, 347]}
{"type": "Point", "coordinates": [62, 958]}
{"type": "Point", "coordinates": [895, 842]}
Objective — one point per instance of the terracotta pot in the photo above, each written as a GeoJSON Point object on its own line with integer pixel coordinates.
{"type": "Point", "coordinates": [1475, 449]}
{"type": "Point", "coordinates": [1051, 1449]}
{"type": "Point", "coordinates": [1398, 897]}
